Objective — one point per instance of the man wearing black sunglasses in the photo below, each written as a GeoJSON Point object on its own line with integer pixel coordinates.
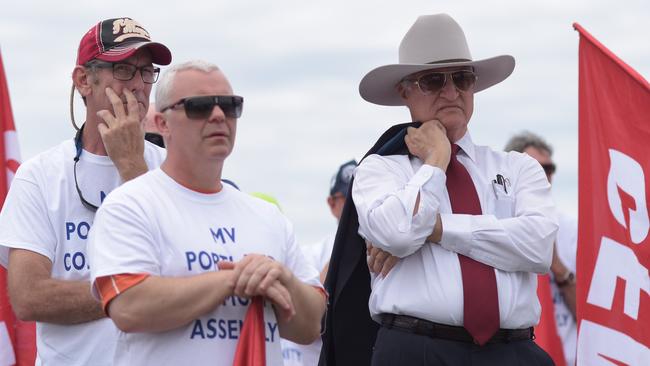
{"type": "Point", "coordinates": [472, 226]}
{"type": "Point", "coordinates": [183, 262]}
{"type": "Point", "coordinates": [51, 204]}
{"type": "Point", "coordinates": [563, 265]}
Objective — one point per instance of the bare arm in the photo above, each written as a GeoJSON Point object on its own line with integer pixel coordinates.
{"type": "Point", "coordinates": [36, 296]}
{"type": "Point", "coordinates": [560, 272]}
{"type": "Point", "coordinates": [158, 304]}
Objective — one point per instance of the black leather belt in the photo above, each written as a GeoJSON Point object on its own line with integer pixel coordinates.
{"type": "Point", "coordinates": [449, 332]}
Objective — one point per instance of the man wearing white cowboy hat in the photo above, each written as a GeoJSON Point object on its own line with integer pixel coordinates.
{"type": "Point", "coordinates": [471, 225]}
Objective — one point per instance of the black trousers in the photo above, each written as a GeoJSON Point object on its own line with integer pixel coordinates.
{"type": "Point", "coordinates": [397, 347]}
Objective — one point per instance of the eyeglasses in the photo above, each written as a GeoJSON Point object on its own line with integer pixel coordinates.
{"type": "Point", "coordinates": [200, 107]}
{"type": "Point", "coordinates": [433, 82]}
{"type": "Point", "coordinates": [549, 168]}
{"type": "Point", "coordinates": [125, 72]}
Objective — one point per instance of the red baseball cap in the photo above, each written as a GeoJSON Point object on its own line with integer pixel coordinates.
{"type": "Point", "coordinates": [116, 39]}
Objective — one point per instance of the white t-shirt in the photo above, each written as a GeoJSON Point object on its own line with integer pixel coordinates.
{"type": "Point", "coordinates": [567, 245]}
{"type": "Point", "coordinates": [318, 255]}
{"type": "Point", "coordinates": [156, 226]}
{"type": "Point", "coordinates": [43, 214]}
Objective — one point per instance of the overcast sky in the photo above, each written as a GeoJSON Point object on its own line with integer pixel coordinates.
{"type": "Point", "coordinates": [298, 64]}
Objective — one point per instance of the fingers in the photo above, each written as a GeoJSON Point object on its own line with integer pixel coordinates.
{"type": "Point", "coordinates": [371, 257]}
{"type": "Point", "coordinates": [223, 265]}
{"type": "Point", "coordinates": [255, 273]}
{"type": "Point", "coordinates": [388, 265]}
{"type": "Point", "coordinates": [132, 105]}
{"type": "Point", "coordinates": [118, 106]}
{"type": "Point", "coordinates": [280, 297]}
{"type": "Point", "coordinates": [380, 258]}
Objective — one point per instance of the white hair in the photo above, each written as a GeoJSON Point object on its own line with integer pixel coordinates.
{"type": "Point", "coordinates": [165, 84]}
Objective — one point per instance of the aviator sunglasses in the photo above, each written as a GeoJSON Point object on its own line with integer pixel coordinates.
{"type": "Point", "coordinates": [433, 82]}
{"type": "Point", "coordinates": [200, 107]}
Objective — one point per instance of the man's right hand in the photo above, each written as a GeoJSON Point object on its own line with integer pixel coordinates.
{"type": "Point", "coordinates": [429, 142]}
{"type": "Point", "coordinates": [123, 135]}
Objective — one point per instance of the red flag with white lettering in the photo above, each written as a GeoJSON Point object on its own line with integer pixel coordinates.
{"type": "Point", "coordinates": [17, 338]}
{"type": "Point", "coordinates": [613, 293]}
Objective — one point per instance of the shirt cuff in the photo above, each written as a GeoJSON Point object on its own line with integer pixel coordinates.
{"type": "Point", "coordinates": [456, 233]}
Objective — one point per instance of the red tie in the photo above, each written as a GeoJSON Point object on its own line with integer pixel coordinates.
{"type": "Point", "coordinates": [481, 304]}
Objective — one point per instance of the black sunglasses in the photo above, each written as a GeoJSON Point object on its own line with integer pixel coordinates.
{"type": "Point", "coordinates": [433, 82]}
{"type": "Point", "coordinates": [200, 107]}
{"type": "Point", "coordinates": [549, 168]}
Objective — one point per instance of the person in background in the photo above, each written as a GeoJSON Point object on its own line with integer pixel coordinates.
{"type": "Point", "coordinates": [563, 265]}
{"type": "Point", "coordinates": [318, 255]}
{"type": "Point", "coordinates": [51, 205]}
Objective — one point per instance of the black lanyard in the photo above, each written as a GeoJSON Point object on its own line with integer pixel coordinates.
{"type": "Point", "coordinates": [79, 146]}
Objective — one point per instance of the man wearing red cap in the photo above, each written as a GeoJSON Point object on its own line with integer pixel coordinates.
{"type": "Point", "coordinates": [182, 261]}
{"type": "Point", "coordinates": [51, 205]}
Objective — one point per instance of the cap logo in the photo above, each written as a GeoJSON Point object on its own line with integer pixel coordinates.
{"type": "Point", "coordinates": [128, 28]}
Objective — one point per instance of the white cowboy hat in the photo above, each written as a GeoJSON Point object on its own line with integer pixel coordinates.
{"type": "Point", "coordinates": [434, 41]}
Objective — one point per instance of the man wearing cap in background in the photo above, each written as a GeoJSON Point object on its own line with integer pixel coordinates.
{"type": "Point", "coordinates": [318, 255]}
{"type": "Point", "coordinates": [563, 265]}
{"type": "Point", "coordinates": [51, 205]}
{"type": "Point", "coordinates": [471, 225]}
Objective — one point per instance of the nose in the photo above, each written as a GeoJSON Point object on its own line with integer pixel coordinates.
{"type": "Point", "coordinates": [136, 83]}
{"type": "Point", "coordinates": [449, 90]}
{"type": "Point", "coordinates": [217, 115]}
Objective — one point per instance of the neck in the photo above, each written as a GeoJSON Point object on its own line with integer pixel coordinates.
{"type": "Point", "coordinates": [92, 140]}
{"type": "Point", "coordinates": [201, 176]}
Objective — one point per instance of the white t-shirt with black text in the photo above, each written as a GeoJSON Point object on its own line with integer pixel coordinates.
{"type": "Point", "coordinates": [43, 213]}
{"type": "Point", "coordinates": [156, 226]}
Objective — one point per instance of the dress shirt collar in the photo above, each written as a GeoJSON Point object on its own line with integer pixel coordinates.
{"type": "Point", "coordinates": [467, 145]}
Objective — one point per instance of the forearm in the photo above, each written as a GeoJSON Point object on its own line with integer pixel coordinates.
{"type": "Point", "coordinates": [569, 295]}
{"type": "Point", "coordinates": [309, 303]}
{"type": "Point", "coordinates": [161, 303]}
{"type": "Point", "coordinates": [397, 213]}
{"type": "Point", "coordinates": [515, 244]}
{"type": "Point", "coordinates": [55, 301]}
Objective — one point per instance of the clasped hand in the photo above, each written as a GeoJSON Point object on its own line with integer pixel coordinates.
{"type": "Point", "coordinates": [259, 275]}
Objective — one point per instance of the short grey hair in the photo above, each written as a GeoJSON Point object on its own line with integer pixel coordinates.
{"type": "Point", "coordinates": [165, 84]}
{"type": "Point", "coordinates": [526, 139]}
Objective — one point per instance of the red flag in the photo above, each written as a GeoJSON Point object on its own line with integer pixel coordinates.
{"type": "Point", "coordinates": [251, 348]}
{"type": "Point", "coordinates": [613, 290]}
{"type": "Point", "coordinates": [546, 335]}
{"type": "Point", "coordinates": [17, 338]}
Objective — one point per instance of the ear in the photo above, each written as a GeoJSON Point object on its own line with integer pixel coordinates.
{"type": "Point", "coordinates": [161, 124]}
{"type": "Point", "coordinates": [403, 91]}
{"type": "Point", "coordinates": [330, 202]}
{"type": "Point", "coordinates": [81, 80]}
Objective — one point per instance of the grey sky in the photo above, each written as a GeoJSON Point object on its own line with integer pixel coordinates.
{"type": "Point", "coordinates": [298, 64]}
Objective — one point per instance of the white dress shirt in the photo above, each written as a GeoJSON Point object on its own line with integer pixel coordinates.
{"type": "Point", "coordinates": [514, 234]}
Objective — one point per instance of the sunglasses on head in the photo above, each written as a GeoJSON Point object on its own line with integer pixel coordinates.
{"type": "Point", "coordinates": [433, 82]}
{"type": "Point", "coordinates": [200, 107]}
